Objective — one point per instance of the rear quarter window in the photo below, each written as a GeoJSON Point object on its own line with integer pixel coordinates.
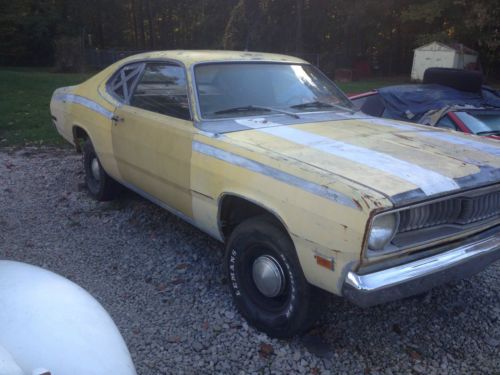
{"type": "Point", "coordinates": [121, 84]}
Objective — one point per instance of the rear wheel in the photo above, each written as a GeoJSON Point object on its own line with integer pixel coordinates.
{"type": "Point", "coordinates": [100, 185]}
{"type": "Point", "coordinates": [266, 280]}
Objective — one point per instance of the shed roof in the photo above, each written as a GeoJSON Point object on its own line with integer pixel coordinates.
{"type": "Point", "coordinates": [453, 47]}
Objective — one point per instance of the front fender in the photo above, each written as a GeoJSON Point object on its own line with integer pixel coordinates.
{"type": "Point", "coordinates": [317, 225]}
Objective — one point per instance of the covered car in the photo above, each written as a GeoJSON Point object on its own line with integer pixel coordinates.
{"type": "Point", "coordinates": [471, 108]}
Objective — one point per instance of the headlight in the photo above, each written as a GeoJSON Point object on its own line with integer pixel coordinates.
{"type": "Point", "coordinates": [383, 229]}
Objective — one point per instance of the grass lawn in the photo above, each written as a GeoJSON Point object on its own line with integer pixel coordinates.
{"type": "Point", "coordinates": [25, 95]}
{"type": "Point", "coordinates": [358, 87]}
{"type": "Point", "coordinates": [24, 105]}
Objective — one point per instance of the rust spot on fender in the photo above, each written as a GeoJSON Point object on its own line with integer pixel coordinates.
{"type": "Point", "coordinates": [315, 244]}
{"type": "Point", "coordinates": [357, 203]}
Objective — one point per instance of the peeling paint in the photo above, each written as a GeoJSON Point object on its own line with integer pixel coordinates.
{"type": "Point", "coordinates": [90, 104]}
{"type": "Point", "coordinates": [273, 173]}
{"type": "Point", "coordinates": [429, 181]}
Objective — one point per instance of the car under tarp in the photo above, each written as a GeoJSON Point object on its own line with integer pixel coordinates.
{"type": "Point", "coordinates": [412, 102]}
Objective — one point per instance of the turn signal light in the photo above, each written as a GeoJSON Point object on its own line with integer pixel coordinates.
{"type": "Point", "coordinates": [325, 262]}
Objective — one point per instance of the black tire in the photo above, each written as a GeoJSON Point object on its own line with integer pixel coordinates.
{"type": "Point", "coordinates": [291, 312]}
{"type": "Point", "coordinates": [463, 80]}
{"type": "Point", "coordinates": [103, 188]}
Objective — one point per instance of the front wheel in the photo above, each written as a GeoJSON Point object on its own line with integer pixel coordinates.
{"type": "Point", "coordinates": [266, 280]}
{"type": "Point", "coordinates": [100, 185]}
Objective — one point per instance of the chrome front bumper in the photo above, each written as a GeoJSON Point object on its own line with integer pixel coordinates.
{"type": "Point", "coordinates": [418, 276]}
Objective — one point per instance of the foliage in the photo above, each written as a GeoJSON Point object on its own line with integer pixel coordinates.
{"type": "Point", "coordinates": [385, 32]}
{"type": "Point", "coordinates": [68, 56]}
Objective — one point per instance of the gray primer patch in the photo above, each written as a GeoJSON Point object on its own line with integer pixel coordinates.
{"type": "Point", "coordinates": [287, 178]}
{"type": "Point", "coordinates": [410, 196]}
{"type": "Point", "coordinates": [84, 102]}
{"type": "Point", "coordinates": [486, 176]}
{"type": "Point", "coordinates": [429, 181]}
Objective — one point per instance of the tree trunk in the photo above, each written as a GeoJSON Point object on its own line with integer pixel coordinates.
{"type": "Point", "coordinates": [299, 43]}
{"type": "Point", "coordinates": [133, 17]}
{"type": "Point", "coordinates": [150, 24]}
{"type": "Point", "coordinates": [142, 33]}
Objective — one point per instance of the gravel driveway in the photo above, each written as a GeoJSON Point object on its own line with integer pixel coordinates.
{"type": "Point", "coordinates": [162, 282]}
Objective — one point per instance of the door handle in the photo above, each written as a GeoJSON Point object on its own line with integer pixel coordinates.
{"type": "Point", "coordinates": [116, 119]}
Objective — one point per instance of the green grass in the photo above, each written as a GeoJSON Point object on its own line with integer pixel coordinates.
{"type": "Point", "coordinates": [358, 87]}
{"type": "Point", "coordinates": [25, 95]}
{"type": "Point", "coordinates": [24, 105]}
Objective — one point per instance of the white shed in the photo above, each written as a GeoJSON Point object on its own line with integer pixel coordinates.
{"type": "Point", "coordinates": [439, 55]}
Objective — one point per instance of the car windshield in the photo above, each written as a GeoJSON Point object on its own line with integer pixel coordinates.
{"type": "Point", "coordinates": [481, 122]}
{"type": "Point", "coordinates": [249, 89]}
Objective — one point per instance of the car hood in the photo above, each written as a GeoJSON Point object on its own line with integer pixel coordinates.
{"type": "Point", "coordinates": [401, 161]}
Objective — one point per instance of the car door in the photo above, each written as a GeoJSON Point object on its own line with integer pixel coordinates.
{"type": "Point", "coordinates": [152, 135]}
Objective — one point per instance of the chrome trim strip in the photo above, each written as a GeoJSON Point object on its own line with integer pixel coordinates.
{"type": "Point", "coordinates": [72, 98]}
{"type": "Point", "coordinates": [276, 174]}
{"type": "Point", "coordinates": [418, 269]}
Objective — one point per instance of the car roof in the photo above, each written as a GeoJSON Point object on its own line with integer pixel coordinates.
{"type": "Point", "coordinates": [191, 57]}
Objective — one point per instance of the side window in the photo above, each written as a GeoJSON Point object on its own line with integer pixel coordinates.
{"type": "Point", "coordinates": [163, 89]}
{"type": "Point", "coordinates": [122, 83]}
{"type": "Point", "coordinates": [446, 123]}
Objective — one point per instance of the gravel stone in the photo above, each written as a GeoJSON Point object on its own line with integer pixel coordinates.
{"type": "Point", "coordinates": [197, 346]}
{"type": "Point", "coordinates": [163, 283]}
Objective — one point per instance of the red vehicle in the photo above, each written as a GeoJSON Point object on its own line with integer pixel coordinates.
{"type": "Point", "coordinates": [448, 99]}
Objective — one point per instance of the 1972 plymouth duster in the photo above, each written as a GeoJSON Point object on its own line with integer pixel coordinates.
{"type": "Point", "coordinates": [265, 153]}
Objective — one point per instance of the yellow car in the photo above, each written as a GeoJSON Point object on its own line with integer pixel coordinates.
{"type": "Point", "coordinates": [266, 154]}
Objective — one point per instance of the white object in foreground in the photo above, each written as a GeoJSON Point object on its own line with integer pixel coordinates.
{"type": "Point", "coordinates": [48, 322]}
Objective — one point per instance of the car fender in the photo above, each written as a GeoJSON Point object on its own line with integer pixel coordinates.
{"type": "Point", "coordinates": [49, 322]}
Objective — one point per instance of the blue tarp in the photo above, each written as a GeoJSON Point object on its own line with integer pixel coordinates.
{"type": "Point", "coordinates": [411, 102]}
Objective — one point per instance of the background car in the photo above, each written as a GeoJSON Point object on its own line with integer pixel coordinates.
{"type": "Point", "coordinates": [448, 99]}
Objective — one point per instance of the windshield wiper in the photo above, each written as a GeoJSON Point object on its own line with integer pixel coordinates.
{"type": "Point", "coordinates": [318, 104]}
{"type": "Point", "coordinates": [250, 108]}
{"type": "Point", "coordinates": [491, 132]}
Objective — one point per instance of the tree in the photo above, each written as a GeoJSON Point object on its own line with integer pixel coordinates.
{"type": "Point", "coordinates": [341, 31]}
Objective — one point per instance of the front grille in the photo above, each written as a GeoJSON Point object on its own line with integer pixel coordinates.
{"type": "Point", "coordinates": [455, 211]}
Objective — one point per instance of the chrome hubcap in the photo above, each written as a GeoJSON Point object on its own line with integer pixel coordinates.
{"type": "Point", "coordinates": [94, 166]}
{"type": "Point", "coordinates": [268, 276]}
